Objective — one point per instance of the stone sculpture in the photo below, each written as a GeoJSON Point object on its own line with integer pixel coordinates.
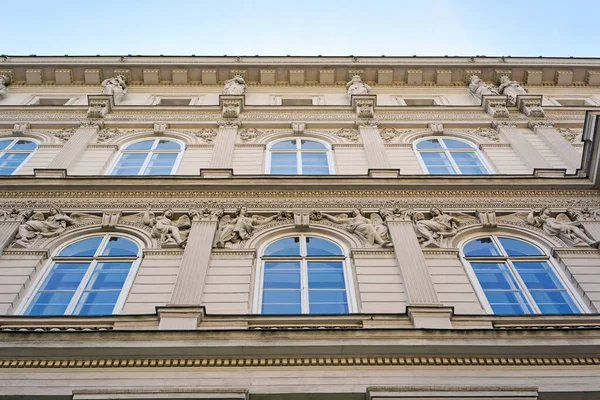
{"type": "Point", "coordinates": [372, 229]}
{"type": "Point", "coordinates": [241, 227]}
{"type": "Point", "coordinates": [562, 224]}
{"type": "Point", "coordinates": [235, 86]}
{"type": "Point", "coordinates": [4, 81]}
{"type": "Point", "coordinates": [35, 225]}
{"type": "Point", "coordinates": [431, 231]}
{"type": "Point", "coordinates": [479, 88]}
{"type": "Point", "coordinates": [511, 88]}
{"type": "Point", "coordinates": [166, 229]}
{"type": "Point", "coordinates": [357, 86]}
{"type": "Point", "coordinates": [115, 86]}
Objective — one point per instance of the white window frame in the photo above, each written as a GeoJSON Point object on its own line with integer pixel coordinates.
{"type": "Point", "coordinates": [446, 151]}
{"type": "Point", "coordinates": [84, 281]}
{"type": "Point", "coordinates": [14, 140]}
{"type": "Point", "coordinates": [348, 278]}
{"type": "Point", "coordinates": [149, 152]}
{"type": "Point", "coordinates": [298, 149]}
{"type": "Point", "coordinates": [583, 308]}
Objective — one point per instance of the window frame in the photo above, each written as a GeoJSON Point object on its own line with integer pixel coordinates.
{"type": "Point", "coordinates": [298, 149]}
{"type": "Point", "coordinates": [149, 153]}
{"type": "Point", "coordinates": [475, 149]}
{"type": "Point", "coordinates": [346, 267]}
{"type": "Point", "coordinates": [14, 140]}
{"type": "Point", "coordinates": [49, 266]}
{"type": "Point", "coordinates": [508, 260]}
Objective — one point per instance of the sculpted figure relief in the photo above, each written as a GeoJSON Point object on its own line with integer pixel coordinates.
{"type": "Point", "coordinates": [562, 224]}
{"type": "Point", "coordinates": [4, 81]}
{"type": "Point", "coordinates": [115, 86]}
{"type": "Point", "coordinates": [167, 229]}
{"type": "Point", "coordinates": [511, 88]}
{"type": "Point", "coordinates": [235, 86]}
{"type": "Point", "coordinates": [357, 86]}
{"type": "Point", "coordinates": [479, 88]}
{"type": "Point", "coordinates": [35, 225]}
{"type": "Point", "coordinates": [241, 227]}
{"type": "Point", "coordinates": [372, 229]}
{"type": "Point", "coordinates": [440, 225]}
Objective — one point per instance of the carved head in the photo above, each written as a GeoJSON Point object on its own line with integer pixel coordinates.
{"type": "Point", "coordinates": [356, 79]}
{"type": "Point", "coordinates": [475, 79]}
{"type": "Point", "coordinates": [435, 211]}
{"type": "Point", "coordinates": [546, 211]}
{"type": "Point", "coordinates": [168, 213]}
{"type": "Point", "coordinates": [241, 211]}
{"type": "Point", "coordinates": [418, 216]}
{"type": "Point", "coordinates": [356, 212]}
{"type": "Point", "coordinates": [55, 210]}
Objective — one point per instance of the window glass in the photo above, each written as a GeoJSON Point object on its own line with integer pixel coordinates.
{"type": "Point", "coordinates": [89, 284]}
{"type": "Point", "coordinates": [82, 248]}
{"type": "Point", "coordinates": [13, 153]}
{"type": "Point", "coordinates": [450, 156]}
{"type": "Point", "coordinates": [299, 157]}
{"type": "Point", "coordinates": [148, 157]}
{"type": "Point", "coordinates": [517, 277]}
{"type": "Point", "coordinates": [309, 277]}
{"type": "Point", "coordinates": [284, 247]}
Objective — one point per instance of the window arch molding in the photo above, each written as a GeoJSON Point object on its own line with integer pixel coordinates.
{"type": "Point", "coordinates": [20, 147]}
{"type": "Point", "coordinates": [544, 246]}
{"type": "Point", "coordinates": [301, 164]}
{"type": "Point", "coordinates": [260, 238]}
{"type": "Point", "coordinates": [527, 233]}
{"type": "Point", "coordinates": [313, 134]}
{"type": "Point", "coordinates": [140, 235]}
{"type": "Point", "coordinates": [267, 240]}
{"type": "Point", "coordinates": [93, 268]}
{"type": "Point", "coordinates": [451, 155]}
{"type": "Point", "coordinates": [145, 164]}
{"type": "Point", "coordinates": [130, 137]}
{"type": "Point", "coordinates": [477, 140]}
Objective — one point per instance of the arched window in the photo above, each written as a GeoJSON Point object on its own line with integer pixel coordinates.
{"type": "Point", "coordinates": [516, 277]}
{"type": "Point", "coordinates": [450, 156]}
{"type": "Point", "coordinates": [149, 157]}
{"type": "Point", "coordinates": [299, 157]}
{"type": "Point", "coordinates": [86, 277]}
{"type": "Point", "coordinates": [13, 153]}
{"type": "Point", "coordinates": [304, 275]}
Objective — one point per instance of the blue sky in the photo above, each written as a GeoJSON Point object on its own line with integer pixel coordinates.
{"type": "Point", "coordinates": [213, 27]}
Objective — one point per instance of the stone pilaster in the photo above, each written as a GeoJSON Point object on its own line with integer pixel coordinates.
{"type": "Point", "coordinates": [196, 256]}
{"type": "Point", "coordinates": [374, 148]}
{"type": "Point", "coordinates": [415, 274]}
{"type": "Point", "coordinates": [222, 155]}
{"type": "Point", "coordinates": [523, 147]}
{"type": "Point", "coordinates": [560, 146]}
{"type": "Point", "coordinates": [74, 147]}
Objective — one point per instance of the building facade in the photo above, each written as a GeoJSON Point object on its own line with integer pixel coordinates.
{"type": "Point", "coordinates": [272, 228]}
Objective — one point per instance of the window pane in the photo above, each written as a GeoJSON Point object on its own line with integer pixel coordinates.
{"type": "Point", "coordinates": [144, 145]}
{"type": "Point", "coordinates": [164, 144]}
{"type": "Point", "coordinates": [481, 247]}
{"type": "Point", "coordinates": [311, 144]}
{"type": "Point", "coordinates": [281, 309]}
{"type": "Point", "coordinates": [281, 297]}
{"type": "Point", "coordinates": [284, 247]}
{"type": "Point", "coordinates": [109, 276]}
{"type": "Point", "coordinates": [283, 159]}
{"type": "Point", "coordinates": [326, 296]}
{"type": "Point", "coordinates": [129, 164]}
{"type": "Point", "coordinates": [437, 163]}
{"type": "Point", "coordinates": [275, 170]}
{"type": "Point", "coordinates": [554, 302]}
{"type": "Point", "coordinates": [508, 309]}
{"type": "Point", "coordinates": [456, 144]}
{"type": "Point", "coordinates": [285, 144]}
{"type": "Point", "coordinates": [161, 164]}
{"type": "Point", "coordinates": [341, 308]}
{"type": "Point", "coordinates": [9, 162]}
{"type": "Point", "coordinates": [118, 246]}
{"type": "Point", "coordinates": [515, 247]}
{"type": "Point", "coordinates": [326, 279]}
{"type": "Point", "coordinates": [97, 303]}
{"type": "Point", "coordinates": [314, 160]}
{"type": "Point", "coordinates": [24, 145]}
{"type": "Point", "coordinates": [429, 144]}
{"type": "Point", "coordinates": [282, 280]}
{"type": "Point", "coordinates": [65, 276]}
{"type": "Point", "coordinates": [537, 275]}
{"type": "Point", "coordinates": [322, 247]}
{"type": "Point", "coordinates": [82, 248]}
{"type": "Point", "coordinates": [4, 144]}
{"type": "Point", "coordinates": [440, 170]}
